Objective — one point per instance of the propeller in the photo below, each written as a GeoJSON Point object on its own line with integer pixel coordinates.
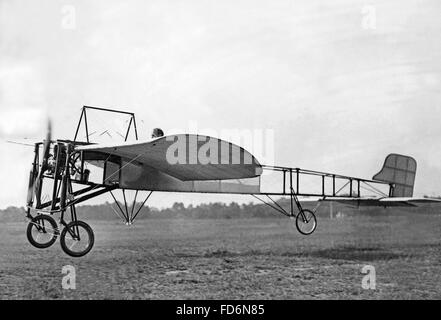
{"type": "Point", "coordinates": [35, 185]}
{"type": "Point", "coordinates": [46, 145]}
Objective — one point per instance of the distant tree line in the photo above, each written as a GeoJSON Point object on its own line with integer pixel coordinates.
{"type": "Point", "coordinates": [218, 210]}
{"type": "Point", "coordinates": [178, 210]}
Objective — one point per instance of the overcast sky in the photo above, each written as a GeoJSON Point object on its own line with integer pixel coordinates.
{"type": "Point", "coordinates": [342, 83]}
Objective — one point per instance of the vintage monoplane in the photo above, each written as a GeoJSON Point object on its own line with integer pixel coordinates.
{"type": "Point", "coordinates": [173, 163]}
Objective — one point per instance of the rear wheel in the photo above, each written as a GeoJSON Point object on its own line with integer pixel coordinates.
{"type": "Point", "coordinates": [42, 231]}
{"type": "Point", "coordinates": [77, 239]}
{"type": "Point", "coordinates": [306, 222]}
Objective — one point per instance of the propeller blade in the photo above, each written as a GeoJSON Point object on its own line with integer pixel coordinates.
{"type": "Point", "coordinates": [36, 186]}
{"type": "Point", "coordinates": [47, 142]}
{"type": "Point", "coordinates": [20, 143]}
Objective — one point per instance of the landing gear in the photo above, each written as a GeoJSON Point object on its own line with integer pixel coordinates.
{"type": "Point", "coordinates": [42, 231]}
{"type": "Point", "coordinates": [306, 222]}
{"type": "Point", "coordinates": [77, 239]}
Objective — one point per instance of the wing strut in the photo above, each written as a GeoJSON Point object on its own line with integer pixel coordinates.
{"type": "Point", "coordinates": [305, 219]}
{"type": "Point", "coordinates": [129, 214]}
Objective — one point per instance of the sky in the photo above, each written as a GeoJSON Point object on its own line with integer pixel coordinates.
{"type": "Point", "coordinates": [340, 84]}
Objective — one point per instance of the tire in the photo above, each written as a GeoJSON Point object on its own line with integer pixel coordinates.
{"type": "Point", "coordinates": [68, 241]}
{"type": "Point", "coordinates": [308, 227]}
{"type": "Point", "coordinates": [42, 225]}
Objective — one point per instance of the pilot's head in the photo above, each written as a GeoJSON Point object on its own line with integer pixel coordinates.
{"type": "Point", "coordinates": [156, 133]}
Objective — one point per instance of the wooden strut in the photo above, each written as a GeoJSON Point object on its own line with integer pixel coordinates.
{"type": "Point", "coordinates": [64, 197]}
{"type": "Point", "coordinates": [294, 200]}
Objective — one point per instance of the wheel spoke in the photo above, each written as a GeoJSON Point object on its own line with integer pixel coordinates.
{"type": "Point", "coordinates": [74, 243]}
{"type": "Point", "coordinates": [42, 231]}
{"type": "Point", "coordinates": [77, 239]}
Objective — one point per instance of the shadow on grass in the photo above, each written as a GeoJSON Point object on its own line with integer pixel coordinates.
{"type": "Point", "coordinates": [350, 253]}
{"type": "Point", "coordinates": [356, 254]}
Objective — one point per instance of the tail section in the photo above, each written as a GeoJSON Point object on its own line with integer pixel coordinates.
{"type": "Point", "coordinates": [400, 171]}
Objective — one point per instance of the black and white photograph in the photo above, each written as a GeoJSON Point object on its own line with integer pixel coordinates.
{"type": "Point", "coordinates": [231, 152]}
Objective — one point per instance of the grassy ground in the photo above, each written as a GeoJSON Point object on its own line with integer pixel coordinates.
{"type": "Point", "coordinates": [233, 259]}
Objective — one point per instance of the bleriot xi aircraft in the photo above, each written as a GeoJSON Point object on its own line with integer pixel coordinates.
{"type": "Point", "coordinates": [173, 164]}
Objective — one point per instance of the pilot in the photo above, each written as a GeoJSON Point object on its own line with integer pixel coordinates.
{"type": "Point", "coordinates": [51, 163]}
{"type": "Point", "coordinates": [157, 133]}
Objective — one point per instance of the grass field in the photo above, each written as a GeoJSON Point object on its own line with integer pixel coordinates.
{"type": "Point", "coordinates": [233, 259]}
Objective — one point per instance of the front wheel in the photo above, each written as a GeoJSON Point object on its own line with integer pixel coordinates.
{"type": "Point", "coordinates": [42, 231]}
{"type": "Point", "coordinates": [306, 222]}
{"type": "Point", "coordinates": [77, 239]}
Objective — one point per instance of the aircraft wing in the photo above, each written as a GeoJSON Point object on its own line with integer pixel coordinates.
{"type": "Point", "coordinates": [186, 157]}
